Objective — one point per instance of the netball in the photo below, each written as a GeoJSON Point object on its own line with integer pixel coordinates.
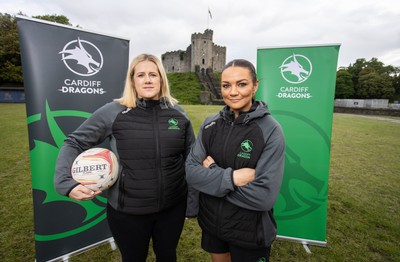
{"type": "Point", "coordinates": [96, 168]}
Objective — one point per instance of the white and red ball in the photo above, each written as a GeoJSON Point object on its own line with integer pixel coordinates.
{"type": "Point", "coordinates": [96, 168]}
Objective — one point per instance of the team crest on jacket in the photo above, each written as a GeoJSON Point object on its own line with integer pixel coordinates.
{"type": "Point", "coordinates": [173, 124]}
{"type": "Point", "coordinates": [246, 147]}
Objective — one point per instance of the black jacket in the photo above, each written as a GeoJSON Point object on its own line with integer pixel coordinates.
{"type": "Point", "coordinates": [151, 142]}
{"type": "Point", "coordinates": [239, 215]}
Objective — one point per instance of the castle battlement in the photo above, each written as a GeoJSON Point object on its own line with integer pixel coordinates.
{"type": "Point", "coordinates": [173, 52]}
{"type": "Point", "coordinates": [208, 34]}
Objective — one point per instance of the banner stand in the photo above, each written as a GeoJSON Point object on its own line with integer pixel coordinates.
{"type": "Point", "coordinates": [68, 73]}
{"type": "Point", "coordinates": [307, 249]}
{"type": "Point", "coordinates": [302, 241]}
{"type": "Point", "coordinates": [65, 258]}
{"type": "Point", "coordinates": [298, 85]}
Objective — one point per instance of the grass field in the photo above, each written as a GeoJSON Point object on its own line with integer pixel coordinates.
{"type": "Point", "coordinates": [363, 206]}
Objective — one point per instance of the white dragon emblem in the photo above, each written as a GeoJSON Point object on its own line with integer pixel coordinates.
{"type": "Point", "coordinates": [82, 57]}
{"type": "Point", "coordinates": [295, 68]}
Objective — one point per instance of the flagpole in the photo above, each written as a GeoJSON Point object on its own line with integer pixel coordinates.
{"type": "Point", "coordinates": [208, 17]}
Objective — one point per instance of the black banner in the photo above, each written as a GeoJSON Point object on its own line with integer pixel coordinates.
{"type": "Point", "coordinates": [68, 74]}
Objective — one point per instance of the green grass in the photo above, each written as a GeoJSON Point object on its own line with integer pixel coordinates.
{"type": "Point", "coordinates": [363, 198]}
{"type": "Point", "coordinates": [185, 87]}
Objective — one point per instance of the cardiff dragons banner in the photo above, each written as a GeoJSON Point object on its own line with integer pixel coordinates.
{"type": "Point", "coordinates": [298, 84]}
{"type": "Point", "coordinates": [68, 74]}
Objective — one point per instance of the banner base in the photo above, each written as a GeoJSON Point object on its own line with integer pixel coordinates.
{"type": "Point", "coordinates": [303, 241]}
{"type": "Point", "coordinates": [66, 257]}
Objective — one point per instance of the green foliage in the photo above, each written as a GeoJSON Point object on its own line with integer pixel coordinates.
{"type": "Point", "coordinates": [11, 73]}
{"type": "Point", "coordinates": [372, 84]}
{"type": "Point", "coordinates": [363, 205]}
{"type": "Point", "coordinates": [61, 19]}
{"type": "Point", "coordinates": [395, 73]}
{"type": "Point", "coordinates": [185, 87]}
{"type": "Point", "coordinates": [355, 70]}
{"type": "Point", "coordinates": [344, 84]}
{"type": "Point", "coordinates": [371, 80]}
{"type": "Point", "coordinates": [10, 59]}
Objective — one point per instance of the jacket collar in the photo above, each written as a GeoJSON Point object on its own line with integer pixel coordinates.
{"type": "Point", "coordinates": [145, 104]}
{"type": "Point", "coordinates": [258, 109]}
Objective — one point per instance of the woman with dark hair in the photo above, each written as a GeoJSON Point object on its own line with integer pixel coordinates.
{"type": "Point", "coordinates": [237, 165]}
{"type": "Point", "coordinates": [151, 136]}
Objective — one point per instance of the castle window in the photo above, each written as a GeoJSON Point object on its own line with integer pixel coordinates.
{"type": "Point", "coordinates": [203, 61]}
{"type": "Point", "coordinates": [173, 68]}
{"type": "Point", "coordinates": [205, 42]}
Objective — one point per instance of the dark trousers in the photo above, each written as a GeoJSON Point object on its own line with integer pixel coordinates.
{"type": "Point", "coordinates": [216, 245]}
{"type": "Point", "coordinates": [132, 233]}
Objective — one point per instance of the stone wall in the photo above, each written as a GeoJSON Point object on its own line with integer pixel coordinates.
{"type": "Point", "coordinates": [367, 111]}
{"type": "Point", "coordinates": [367, 107]}
{"type": "Point", "coordinates": [362, 103]}
{"type": "Point", "coordinates": [219, 58]}
{"type": "Point", "coordinates": [176, 61]}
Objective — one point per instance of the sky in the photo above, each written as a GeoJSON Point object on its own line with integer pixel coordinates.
{"type": "Point", "coordinates": [364, 28]}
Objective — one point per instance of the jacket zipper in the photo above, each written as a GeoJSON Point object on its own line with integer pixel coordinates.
{"type": "Point", "coordinates": [220, 204]}
{"type": "Point", "coordinates": [121, 190]}
{"type": "Point", "coordinates": [158, 156]}
{"type": "Point", "coordinates": [226, 142]}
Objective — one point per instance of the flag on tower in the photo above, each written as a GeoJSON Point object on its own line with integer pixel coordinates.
{"type": "Point", "coordinates": [209, 12]}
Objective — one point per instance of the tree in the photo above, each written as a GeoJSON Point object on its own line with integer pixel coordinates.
{"type": "Point", "coordinates": [355, 70]}
{"type": "Point", "coordinates": [344, 84]}
{"type": "Point", "coordinates": [61, 19]}
{"type": "Point", "coordinates": [372, 79]}
{"type": "Point", "coordinates": [10, 58]}
{"type": "Point", "coordinates": [372, 84]}
{"type": "Point", "coordinates": [394, 72]}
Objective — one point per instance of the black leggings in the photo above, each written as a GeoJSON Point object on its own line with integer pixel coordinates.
{"type": "Point", "coordinates": [132, 233]}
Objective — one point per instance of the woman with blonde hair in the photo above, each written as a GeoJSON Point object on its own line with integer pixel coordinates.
{"type": "Point", "coordinates": [151, 136]}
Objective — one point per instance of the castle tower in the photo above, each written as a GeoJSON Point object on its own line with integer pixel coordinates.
{"type": "Point", "coordinates": [202, 50]}
{"type": "Point", "coordinates": [202, 54]}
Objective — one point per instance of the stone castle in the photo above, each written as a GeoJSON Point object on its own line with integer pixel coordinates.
{"type": "Point", "coordinates": [201, 56]}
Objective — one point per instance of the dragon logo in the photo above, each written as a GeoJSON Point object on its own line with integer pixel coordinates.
{"type": "Point", "coordinates": [173, 124]}
{"type": "Point", "coordinates": [247, 146]}
{"type": "Point", "coordinates": [296, 69]}
{"type": "Point", "coordinates": [82, 57]}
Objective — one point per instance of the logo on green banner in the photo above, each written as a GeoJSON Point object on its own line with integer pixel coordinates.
{"type": "Point", "coordinates": [295, 70]}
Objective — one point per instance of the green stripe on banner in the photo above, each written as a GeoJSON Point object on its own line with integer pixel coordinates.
{"type": "Point", "coordinates": [298, 84]}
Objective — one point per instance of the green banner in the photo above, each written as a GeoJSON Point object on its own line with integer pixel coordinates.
{"type": "Point", "coordinates": [298, 84]}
